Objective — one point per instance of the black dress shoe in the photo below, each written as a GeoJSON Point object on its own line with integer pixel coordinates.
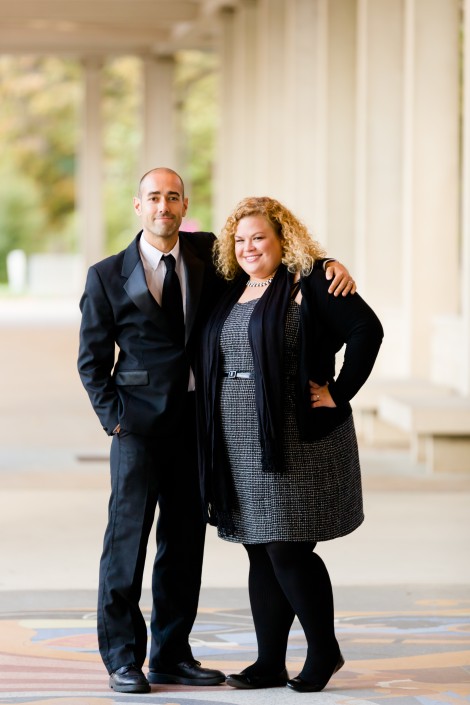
{"type": "Point", "coordinates": [129, 679]}
{"type": "Point", "coordinates": [303, 686]}
{"type": "Point", "coordinates": [245, 680]}
{"type": "Point", "coordinates": [186, 673]}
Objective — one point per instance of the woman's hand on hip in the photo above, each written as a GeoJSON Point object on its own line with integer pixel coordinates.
{"type": "Point", "coordinates": [320, 396]}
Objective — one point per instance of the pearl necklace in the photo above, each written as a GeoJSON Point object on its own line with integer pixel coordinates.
{"type": "Point", "coordinates": [265, 283]}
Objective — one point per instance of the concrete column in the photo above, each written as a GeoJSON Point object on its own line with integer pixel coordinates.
{"type": "Point", "coordinates": [225, 182]}
{"type": "Point", "coordinates": [246, 122]}
{"type": "Point", "coordinates": [379, 148]}
{"type": "Point", "coordinates": [269, 101]}
{"type": "Point", "coordinates": [430, 281]}
{"type": "Point", "coordinates": [377, 262]}
{"type": "Point", "coordinates": [465, 260]}
{"type": "Point", "coordinates": [303, 147]}
{"type": "Point", "coordinates": [341, 121]}
{"type": "Point", "coordinates": [238, 134]}
{"type": "Point", "coordinates": [273, 87]}
{"type": "Point", "coordinates": [90, 166]}
{"type": "Point", "coordinates": [158, 114]}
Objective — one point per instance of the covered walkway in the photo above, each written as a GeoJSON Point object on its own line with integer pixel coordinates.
{"type": "Point", "coordinates": [356, 114]}
{"type": "Point", "coordinates": [401, 581]}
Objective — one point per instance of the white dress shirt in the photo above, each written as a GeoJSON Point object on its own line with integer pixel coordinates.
{"type": "Point", "coordinates": [155, 270]}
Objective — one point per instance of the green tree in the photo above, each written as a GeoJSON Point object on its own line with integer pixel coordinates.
{"type": "Point", "coordinates": [122, 137]}
{"type": "Point", "coordinates": [39, 133]}
{"type": "Point", "coordinates": [22, 217]}
{"type": "Point", "coordinates": [196, 81]}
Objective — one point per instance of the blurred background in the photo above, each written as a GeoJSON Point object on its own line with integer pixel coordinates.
{"type": "Point", "coordinates": [354, 113]}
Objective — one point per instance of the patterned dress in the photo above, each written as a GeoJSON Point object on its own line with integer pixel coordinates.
{"type": "Point", "coordinates": [319, 496]}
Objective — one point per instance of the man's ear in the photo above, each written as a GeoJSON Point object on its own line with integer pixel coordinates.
{"type": "Point", "coordinates": [137, 205]}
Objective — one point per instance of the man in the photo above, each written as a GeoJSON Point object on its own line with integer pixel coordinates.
{"type": "Point", "coordinates": [146, 402]}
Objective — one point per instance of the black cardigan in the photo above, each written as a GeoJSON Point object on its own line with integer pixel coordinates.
{"type": "Point", "coordinates": [326, 323]}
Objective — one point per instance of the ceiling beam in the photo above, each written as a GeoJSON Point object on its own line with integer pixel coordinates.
{"type": "Point", "coordinates": [100, 27]}
{"type": "Point", "coordinates": [132, 12]}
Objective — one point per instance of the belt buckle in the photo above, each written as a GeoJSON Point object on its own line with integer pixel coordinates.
{"type": "Point", "coordinates": [232, 374]}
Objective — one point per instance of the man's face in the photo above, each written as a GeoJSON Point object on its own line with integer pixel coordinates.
{"type": "Point", "coordinates": [161, 208]}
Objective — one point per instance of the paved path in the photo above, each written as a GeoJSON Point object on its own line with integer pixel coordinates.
{"type": "Point", "coordinates": [401, 581]}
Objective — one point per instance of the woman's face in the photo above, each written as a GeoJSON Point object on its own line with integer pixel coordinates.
{"type": "Point", "coordinates": [257, 247]}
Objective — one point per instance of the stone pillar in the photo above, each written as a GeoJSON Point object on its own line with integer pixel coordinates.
{"type": "Point", "coordinates": [90, 167]}
{"type": "Point", "coordinates": [302, 150]}
{"type": "Point", "coordinates": [341, 121]}
{"type": "Point", "coordinates": [430, 281]}
{"type": "Point", "coordinates": [239, 133]}
{"type": "Point", "coordinates": [158, 114]}
{"type": "Point", "coordinates": [465, 260]}
{"type": "Point", "coordinates": [270, 100]}
{"type": "Point", "coordinates": [377, 263]}
{"type": "Point", "coordinates": [273, 120]}
{"type": "Point", "coordinates": [379, 147]}
{"type": "Point", "coordinates": [224, 181]}
{"type": "Point", "coordinates": [245, 121]}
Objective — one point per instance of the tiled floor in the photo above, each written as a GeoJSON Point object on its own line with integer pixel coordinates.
{"type": "Point", "coordinates": [402, 646]}
{"type": "Point", "coordinates": [402, 581]}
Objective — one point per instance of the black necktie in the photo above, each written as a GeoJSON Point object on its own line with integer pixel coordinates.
{"type": "Point", "coordinates": [172, 300]}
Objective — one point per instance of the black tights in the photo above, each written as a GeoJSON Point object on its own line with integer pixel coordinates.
{"type": "Point", "coordinates": [288, 579]}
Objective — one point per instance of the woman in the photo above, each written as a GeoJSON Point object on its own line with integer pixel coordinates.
{"type": "Point", "coordinates": [279, 461]}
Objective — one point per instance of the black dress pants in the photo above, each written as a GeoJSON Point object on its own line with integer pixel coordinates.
{"type": "Point", "coordinates": [146, 472]}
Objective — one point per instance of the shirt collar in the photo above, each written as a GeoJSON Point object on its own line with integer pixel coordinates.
{"type": "Point", "coordinates": [153, 256]}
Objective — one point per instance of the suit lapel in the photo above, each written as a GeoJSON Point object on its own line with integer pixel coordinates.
{"type": "Point", "coordinates": [137, 289]}
{"type": "Point", "coordinates": [194, 270]}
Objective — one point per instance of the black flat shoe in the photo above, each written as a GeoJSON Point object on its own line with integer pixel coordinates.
{"type": "Point", "coordinates": [243, 680]}
{"type": "Point", "coordinates": [129, 679]}
{"type": "Point", "coordinates": [303, 686]}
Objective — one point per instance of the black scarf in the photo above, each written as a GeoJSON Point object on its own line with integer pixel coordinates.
{"type": "Point", "coordinates": [266, 338]}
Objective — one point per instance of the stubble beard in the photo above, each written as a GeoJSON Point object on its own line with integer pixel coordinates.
{"type": "Point", "coordinates": [164, 229]}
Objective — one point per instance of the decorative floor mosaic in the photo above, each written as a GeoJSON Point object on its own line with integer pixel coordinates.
{"type": "Point", "coordinates": [417, 656]}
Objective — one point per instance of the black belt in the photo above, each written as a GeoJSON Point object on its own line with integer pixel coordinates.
{"type": "Point", "coordinates": [236, 374]}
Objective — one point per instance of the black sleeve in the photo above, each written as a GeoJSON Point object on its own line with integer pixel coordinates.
{"type": "Point", "coordinates": [348, 320]}
{"type": "Point", "coordinates": [97, 351]}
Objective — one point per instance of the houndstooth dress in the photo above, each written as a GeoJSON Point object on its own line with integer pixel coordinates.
{"type": "Point", "coordinates": [319, 496]}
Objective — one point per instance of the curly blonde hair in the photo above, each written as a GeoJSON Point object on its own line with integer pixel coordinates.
{"type": "Point", "coordinates": [299, 249]}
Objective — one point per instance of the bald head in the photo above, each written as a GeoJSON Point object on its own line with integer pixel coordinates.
{"type": "Point", "coordinates": [161, 206]}
{"type": "Point", "coordinates": [160, 170]}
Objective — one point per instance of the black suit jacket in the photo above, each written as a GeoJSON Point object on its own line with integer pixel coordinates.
{"type": "Point", "coordinates": [145, 388]}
